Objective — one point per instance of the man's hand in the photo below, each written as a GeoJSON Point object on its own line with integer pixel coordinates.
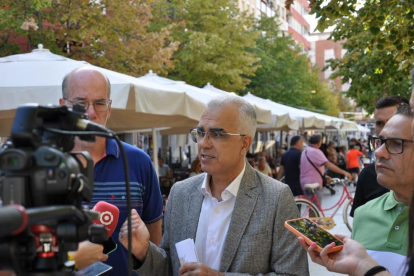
{"type": "Point", "coordinates": [197, 269]}
{"type": "Point", "coordinates": [353, 259]}
{"type": "Point", "coordinates": [140, 236]}
{"type": "Point", "coordinates": [87, 254]}
{"type": "Point", "coordinates": [348, 175]}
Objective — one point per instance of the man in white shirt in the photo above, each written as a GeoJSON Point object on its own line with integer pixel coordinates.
{"type": "Point", "coordinates": [234, 213]}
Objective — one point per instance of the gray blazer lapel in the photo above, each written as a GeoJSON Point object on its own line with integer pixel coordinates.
{"type": "Point", "coordinates": [193, 210]}
{"type": "Point", "coordinates": [243, 209]}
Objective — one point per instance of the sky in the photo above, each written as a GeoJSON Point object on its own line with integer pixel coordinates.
{"type": "Point", "coordinates": [313, 22]}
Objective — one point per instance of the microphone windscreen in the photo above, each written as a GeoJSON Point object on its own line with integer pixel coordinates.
{"type": "Point", "coordinates": [109, 215]}
{"type": "Point", "coordinates": [13, 219]}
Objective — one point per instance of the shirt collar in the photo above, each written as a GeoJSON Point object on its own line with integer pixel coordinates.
{"type": "Point", "coordinates": [233, 188]}
{"type": "Point", "coordinates": [391, 203]}
{"type": "Point", "coordinates": [112, 148]}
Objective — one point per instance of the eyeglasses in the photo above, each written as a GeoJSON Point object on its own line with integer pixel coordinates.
{"type": "Point", "coordinates": [214, 134]}
{"type": "Point", "coordinates": [98, 105]}
{"type": "Point", "coordinates": [393, 145]}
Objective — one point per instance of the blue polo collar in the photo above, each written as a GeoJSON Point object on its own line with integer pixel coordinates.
{"type": "Point", "coordinates": [112, 148]}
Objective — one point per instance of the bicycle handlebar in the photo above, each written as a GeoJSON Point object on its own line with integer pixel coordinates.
{"type": "Point", "coordinates": [344, 181]}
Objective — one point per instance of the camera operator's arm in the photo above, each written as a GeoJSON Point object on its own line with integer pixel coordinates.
{"type": "Point", "coordinates": [87, 254]}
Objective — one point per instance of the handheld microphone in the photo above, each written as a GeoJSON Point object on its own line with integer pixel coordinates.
{"type": "Point", "coordinates": [109, 215]}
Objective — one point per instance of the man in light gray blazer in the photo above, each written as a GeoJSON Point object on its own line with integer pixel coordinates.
{"type": "Point", "coordinates": [234, 213]}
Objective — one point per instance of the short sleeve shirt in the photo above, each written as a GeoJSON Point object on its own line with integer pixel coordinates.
{"type": "Point", "coordinates": [110, 187]}
{"type": "Point", "coordinates": [308, 173]}
{"type": "Point", "coordinates": [352, 158]}
{"type": "Point", "coordinates": [381, 226]}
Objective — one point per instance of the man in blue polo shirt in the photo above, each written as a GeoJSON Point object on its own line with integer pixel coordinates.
{"type": "Point", "coordinates": [91, 88]}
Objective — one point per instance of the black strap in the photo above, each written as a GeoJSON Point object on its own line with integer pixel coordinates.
{"type": "Point", "coordinates": [306, 153]}
{"type": "Point", "coordinates": [375, 270]}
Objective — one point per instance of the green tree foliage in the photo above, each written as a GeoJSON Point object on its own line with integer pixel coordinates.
{"type": "Point", "coordinates": [324, 98]}
{"type": "Point", "coordinates": [373, 73]}
{"type": "Point", "coordinates": [214, 38]}
{"type": "Point", "coordinates": [110, 33]}
{"type": "Point", "coordinates": [379, 42]}
{"type": "Point", "coordinates": [285, 75]}
{"type": "Point", "coordinates": [17, 19]}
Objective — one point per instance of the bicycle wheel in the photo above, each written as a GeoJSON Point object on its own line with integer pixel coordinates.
{"type": "Point", "coordinates": [346, 214]}
{"type": "Point", "coordinates": [307, 209]}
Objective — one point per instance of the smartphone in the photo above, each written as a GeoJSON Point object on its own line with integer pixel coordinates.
{"type": "Point", "coordinates": [109, 246]}
{"type": "Point", "coordinates": [312, 232]}
{"type": "Point", "coordinates": [96, 269]}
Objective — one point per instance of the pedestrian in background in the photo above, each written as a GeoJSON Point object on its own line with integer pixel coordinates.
{"type": "Point", "coordinates": [290, 165]}
{"type": "Point", "coordinates": [352, 161]}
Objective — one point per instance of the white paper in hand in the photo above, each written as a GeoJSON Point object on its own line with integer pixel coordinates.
{"type": "Point", "coordinates": [186, 251]}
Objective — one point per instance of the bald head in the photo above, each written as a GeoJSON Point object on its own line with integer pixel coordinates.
{"type": "Point", "coordinates": [84, 75]}
{"type": "Point", "coordinates": [88, 87]}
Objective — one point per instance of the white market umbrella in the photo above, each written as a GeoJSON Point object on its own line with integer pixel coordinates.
{"type": "Point", "coordinates": [278, 120]}
{"type": "Point", "coordinates": [359, 128]}
{"type": "Point", "coordinates": [336, 123]}
{"type": "Point", "coordinates": [210, 87]}
{"type": "Point", "coordinates": [191, 92]}
{"type": "Point", "coordinates": [281, 116]}
{"type": "Point", "coordinates": [264, 115]}
{"type": "Point", "coordinates": [311, 120]}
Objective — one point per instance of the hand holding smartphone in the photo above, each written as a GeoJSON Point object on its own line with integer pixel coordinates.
{"type": "Point", "coordinates": [312, 232]}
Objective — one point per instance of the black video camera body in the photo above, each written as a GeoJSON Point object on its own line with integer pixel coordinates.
{"type": "Point", "coordinates": [45, 176]}
{"type": "Point", "coordinates": [36, 168]}
{"type": "Point", "coordinates": [38, 173]}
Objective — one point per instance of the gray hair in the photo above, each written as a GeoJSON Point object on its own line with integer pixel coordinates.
{"type": "Point", "coordinates": [66, 82]}
{"type": "Point", "coordinates": [246, 120]}
{"type": "Point", "coordinates": [315, 139]}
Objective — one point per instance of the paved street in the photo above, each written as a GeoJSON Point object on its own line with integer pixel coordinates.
{"type": "Point", "coordinates": [340, 228]}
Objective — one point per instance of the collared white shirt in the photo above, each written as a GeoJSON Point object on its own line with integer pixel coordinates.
{"type": "Point", "coordinates": [214, 222]}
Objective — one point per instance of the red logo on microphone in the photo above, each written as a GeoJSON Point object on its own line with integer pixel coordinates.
{"type": "Point", "coordinates": [106, 218]}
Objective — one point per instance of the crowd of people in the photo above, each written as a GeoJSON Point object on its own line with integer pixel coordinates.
{"type": "Point", "coordinates": [309, 161]}
{"type": "Point", "coordinates": [235, 212]}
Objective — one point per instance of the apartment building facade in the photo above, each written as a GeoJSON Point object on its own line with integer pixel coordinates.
{"type": "Point", "coordinates": [298, 26]}
{"type": "Point", "coordinates": [323, 50]}
{"type": "Point", "coordinates": [269, 8]}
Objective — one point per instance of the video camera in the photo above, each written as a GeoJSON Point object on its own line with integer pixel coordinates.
{"type": "Point", "coordinates": [42, 187]}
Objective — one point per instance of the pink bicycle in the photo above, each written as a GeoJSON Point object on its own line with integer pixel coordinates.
{"type": "Point", "coordinates": [311, 208]}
